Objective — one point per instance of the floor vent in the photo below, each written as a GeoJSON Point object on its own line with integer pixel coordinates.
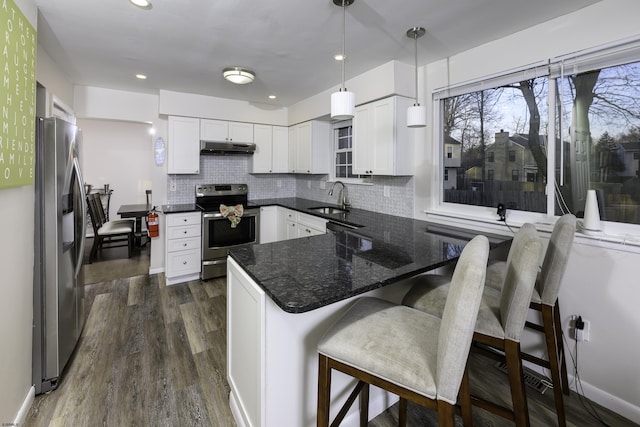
{"type": "Point", "coordinates": [531, 378]}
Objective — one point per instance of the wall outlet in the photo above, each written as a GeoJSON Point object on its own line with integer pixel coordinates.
{"type": "Point", "coordinates": [279, 183]}
{"type": "Point", "coordinates": [323, 185]}
{"type": "Point", "coordinates": [172, 185]}
{"type": "Point", "coordinates": [309, 184]}
{"type": "Point", "coordinates": [387, 191]}
{"type": "Point", "coordinates": [581, 329]}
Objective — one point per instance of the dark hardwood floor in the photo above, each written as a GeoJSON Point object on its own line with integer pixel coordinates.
{"type": "Point", "coordinates": [152, 355]}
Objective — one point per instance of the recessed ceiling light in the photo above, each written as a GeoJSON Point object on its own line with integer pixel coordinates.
{"type": "Point", "coordinates": [142, 4]}
{"type": "Point", "coordinates": [141, 76]}
{"type": "Point", "coordinates": [339, 57]}
{"type": "Point", "coordinates": [238, 75]}
{"type": "Point", "coordinates": [272, 97]}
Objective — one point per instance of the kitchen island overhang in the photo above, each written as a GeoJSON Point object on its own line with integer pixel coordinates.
{"type": "Point", "coordinates": [282, 296]}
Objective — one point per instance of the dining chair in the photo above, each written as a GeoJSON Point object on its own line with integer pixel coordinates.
{"type": "Point", "coordinates": [415, 355]}
{"type": "Point", "coordinates": [501, 317]}
{"type": "Point", "coordinates": [544, 300]}
{"type": "Point", "coordinates": [109, 234]}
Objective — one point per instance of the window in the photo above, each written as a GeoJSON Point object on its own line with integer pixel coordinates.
{"type": "Point", "coordinates": [449, 152]}
{"type": "Point", "coordinates": [344, 154]}
{"type": "Point", "coordinates": [573, 122]}
{"type": "Point", "coordinates": [446, 175]}
{"type": "Point", "coordinates": [481, 122]}
{"type": "Point", "coordinates": [343, 143]}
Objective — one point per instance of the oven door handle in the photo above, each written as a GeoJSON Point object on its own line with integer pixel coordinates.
{"type": "Point", "coordinates": [212, 215]}
{"type": "Point", "coordinates": [219, 215]}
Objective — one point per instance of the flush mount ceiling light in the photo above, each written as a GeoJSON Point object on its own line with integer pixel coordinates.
{"type": "Point", "coordinates": [238, 75]}
{"type": "Point", "coordinates": [416, 114]}
{"type": "Point", "coordinates": [142, 4]}
{"type": "Point", "coordinates": [343, 103]}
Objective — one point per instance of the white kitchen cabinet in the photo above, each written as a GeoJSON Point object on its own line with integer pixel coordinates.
{"type": "Point", "coordinates": [266, 344]}
{"type": "Point", "coordinates": [268, 224]}
{"type": "Point", "coordinates": [221, 130]}
{"type": "Point", "coordinates": [310, 147]}
{"type": "Point", "coordinates": [183, 256]}
{"type": "Point", "coordinates": [283, 216]}
{"type": "Point", "coordinates": [183, 151]}
{"type": "Point", "coordinates": [310, 225]}
{"type": "Point", "coordinates": [272, 148]}
{"type": "Point", "coordinates": [382, 142]}
{"type": "Point", "coordinates": [297, 224]}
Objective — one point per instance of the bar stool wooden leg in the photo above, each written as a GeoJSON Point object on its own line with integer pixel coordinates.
{"type": "Point", "coordinates": [324, 391]}
{"type": "Point", "coordinates": [551, 340]}
{"type": "Point", "coordinates": [516, 383]}
{"type": "Point", "coordinates": [560, 348]}
{"type": "Point", "coordinates": [465, 399]}
{"type": "Point", "coordinates": [364, 405]}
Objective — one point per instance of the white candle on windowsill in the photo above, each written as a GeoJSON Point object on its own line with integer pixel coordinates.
{"type": "Point", "coordinates": [591, 222]}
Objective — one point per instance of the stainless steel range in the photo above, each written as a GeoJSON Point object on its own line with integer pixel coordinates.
{"type": "Point", "coordinates": [218, 232]}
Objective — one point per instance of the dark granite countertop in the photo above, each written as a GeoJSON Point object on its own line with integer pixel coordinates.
{"type": "Point", "coordinates": [303, 274]}
{"type": "Point", "coordinates": [186, 207]}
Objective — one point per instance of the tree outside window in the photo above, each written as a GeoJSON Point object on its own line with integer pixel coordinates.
{"type": "Point", "coordinates": [596, 115]}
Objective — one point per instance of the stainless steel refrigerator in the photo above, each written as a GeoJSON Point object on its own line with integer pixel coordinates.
{"type": "Point", "coordinates": [60, 229]}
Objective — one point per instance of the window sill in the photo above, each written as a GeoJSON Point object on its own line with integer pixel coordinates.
{"type": "Point", "coordinates": [623, 241]}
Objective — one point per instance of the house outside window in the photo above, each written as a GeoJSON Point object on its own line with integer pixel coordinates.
{"type": "Point", "coordinates": [512, 127]}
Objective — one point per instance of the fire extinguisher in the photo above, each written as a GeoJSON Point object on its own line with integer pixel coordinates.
{"type": "Point", "coordinates": [152, 223]}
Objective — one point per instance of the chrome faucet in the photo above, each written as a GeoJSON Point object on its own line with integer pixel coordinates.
{"type": "Point", "coordinates": [344, 201]}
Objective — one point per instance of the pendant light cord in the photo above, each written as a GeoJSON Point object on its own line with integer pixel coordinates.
{"type": "Point", "coordinates": [344, 30]}
{"type": "Point", "coordinates": [415, 38]}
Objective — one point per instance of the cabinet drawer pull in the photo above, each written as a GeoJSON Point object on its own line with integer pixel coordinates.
{"type": "Point", "coordinates": [184, 262]}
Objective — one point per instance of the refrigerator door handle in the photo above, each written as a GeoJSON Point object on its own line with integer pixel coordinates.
{"type": "Point", "coordinates": [83, 201]}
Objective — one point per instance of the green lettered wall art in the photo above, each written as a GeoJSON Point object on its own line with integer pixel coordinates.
{"type": "Point", "coordinates": [17, 97]}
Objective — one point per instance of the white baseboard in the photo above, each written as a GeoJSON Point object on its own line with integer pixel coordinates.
{"type": "Point", "coordinates": [601, 397]}
{"type": "Point", "coordinates": [21, 416]}
{"type": "Point", "coordinates": [156, 270]}
{"type": "Point", "coordinates": [609, 401]}
{"type": "Point", "coordinates": [235, 410]}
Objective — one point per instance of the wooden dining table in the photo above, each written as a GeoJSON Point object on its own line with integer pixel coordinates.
{"type": "Point", "coordinates": [136, 211]}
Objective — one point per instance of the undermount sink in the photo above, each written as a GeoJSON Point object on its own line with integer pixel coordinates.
{"type": "Point", "coordinates": [328, 210]}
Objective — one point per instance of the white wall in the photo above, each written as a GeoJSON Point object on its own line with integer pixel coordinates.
{"type": "Point", "coordinates": [105, 137]}
{"type": "Point", "coordinates": [211, 107]}
{"type": "Point", "coordinates": [601, 281]}
{"type": "Point", "coordinates": [392, 78]}
{"type": "Point", "coordinates": [16, 287]}
{"type": "Point", "coordinates": [119, 154]}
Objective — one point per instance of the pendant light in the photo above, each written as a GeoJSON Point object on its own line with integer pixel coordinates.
{"type": "Point", "coordinates": [343, 103]}
{"type": "Point", "coordinates": [416, 114]}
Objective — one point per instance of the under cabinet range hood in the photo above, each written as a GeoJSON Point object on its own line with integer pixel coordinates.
{"type": "Point", "coordinates": [224, 148]}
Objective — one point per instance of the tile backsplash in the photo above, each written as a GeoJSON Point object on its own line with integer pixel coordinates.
{"type": "Point", "coordinates": [235, 170]}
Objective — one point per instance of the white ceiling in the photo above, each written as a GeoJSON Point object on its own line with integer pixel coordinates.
{"type": "Point", "coordinates": [183, 45]}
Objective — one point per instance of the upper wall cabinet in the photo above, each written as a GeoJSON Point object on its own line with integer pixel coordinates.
{"type": "Point", "coordinates": [309, 147]}
{"type": "Point", "coordinates": [221, 130]}
{"type": "Point", "coordinates": [272, 149]}
{"type": "Point", "coordinates": [382, 142]}
{"type": "Point", "coordinates": [183, 151]}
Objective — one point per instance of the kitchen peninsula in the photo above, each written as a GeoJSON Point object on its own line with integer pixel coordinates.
{"type": "Point", "coordinates": [282, 296]}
